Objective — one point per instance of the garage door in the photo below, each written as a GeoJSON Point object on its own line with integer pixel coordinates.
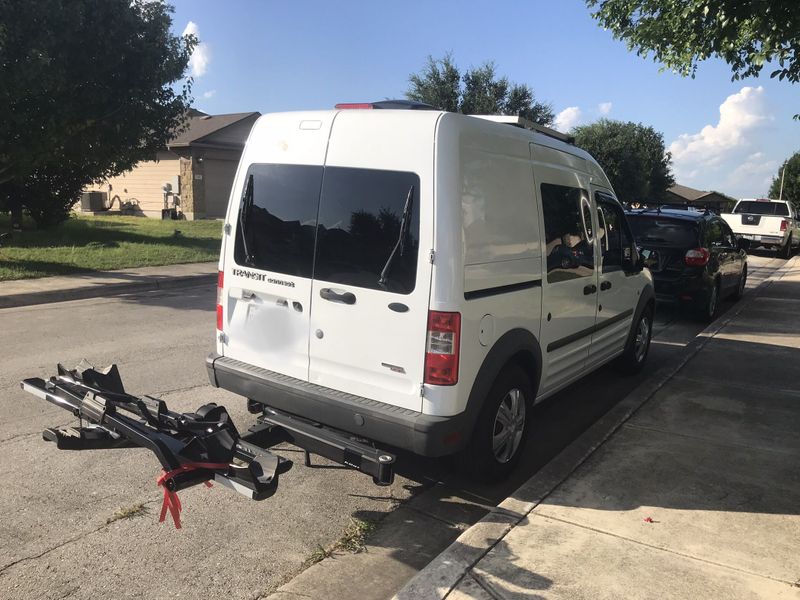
{"type": "Point", "coordinates": [218, 179]}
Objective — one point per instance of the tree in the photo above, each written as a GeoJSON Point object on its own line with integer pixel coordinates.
{"type": "Point", "coordinates": [477, 91]}
{"type": "Point", "coordinates": [88, 88]}
{"type": "Point", "coordinates": [790, 170]}
{"type": "Point", "coordinates": [632, 156]}
{"type": "Point", "coordinates": [681, 33]}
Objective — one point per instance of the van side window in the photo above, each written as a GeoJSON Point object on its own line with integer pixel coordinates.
{"type": "Point", "coordinates": [613, 232]}
{"type": "Point", "coordinates": [568, 243]}
{"type": "Point", "coordinates": [279, 218]}
{"type": "Point", "coordinates": [361, 218]}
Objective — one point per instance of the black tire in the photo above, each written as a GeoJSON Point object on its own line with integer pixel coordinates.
{"type": "Point", "coordinates": [785, 251]}
{"type": "Point", "coordinates": [740, 286]}
{"type": "Point", "coordinates": [479, 459]}
{"type": "Point", "coordinates": [710, 308]}
{"type": "Point", "coordinates": [633, 358]}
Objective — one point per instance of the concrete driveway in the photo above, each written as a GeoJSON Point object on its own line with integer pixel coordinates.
{"type": "Point", "coordinates": [62, 538]}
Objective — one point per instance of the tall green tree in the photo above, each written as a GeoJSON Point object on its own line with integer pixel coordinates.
{"type": "Point", "coordinates": [88, 88]}
{"type": "Point", "coordinates": [477, 91]}
{"type": "Point", "coordinates": [681, 33]}
{"type": "Point", "coordinates": [790, 171]}
{"type": "Point", "coordinates": [632, 155]}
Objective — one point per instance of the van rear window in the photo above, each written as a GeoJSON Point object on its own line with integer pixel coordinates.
{"type": "Point", "coordinates": [364, 224]}
{"type": "Point", "coordinates": [369, 229]}
{"type": "Point", "coordinates": [753, 207]}
{"type": "Point", "coordinates": [278, 218]}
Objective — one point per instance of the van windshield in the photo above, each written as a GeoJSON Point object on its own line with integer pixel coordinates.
{"type": "Point", "coordinates": [351, 216]}
{"type": "Point", "coordinates": [754, 207]}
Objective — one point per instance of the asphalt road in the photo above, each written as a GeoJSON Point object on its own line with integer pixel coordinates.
{"type": "Point", "coordinates": [59, 536]}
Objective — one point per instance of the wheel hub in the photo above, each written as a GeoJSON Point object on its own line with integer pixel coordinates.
{"type": "Point", "coordinates": [509, 425]}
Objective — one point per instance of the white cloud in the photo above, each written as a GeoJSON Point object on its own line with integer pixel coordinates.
{"type": "Point", "coordinates": [201, 56]}
{"type": "Point", "coordinates": [604, 108]}
{"type": "Point", "coordinates": [209, 94]}
{"type": "Point", "coordinates": [755, 172]}
{"type": "Point", "coordinates": [568, 118]}
{"type": "Point", "coordinates": [730, 156]}
{"type": "Point", "coordinates": [739, 115]}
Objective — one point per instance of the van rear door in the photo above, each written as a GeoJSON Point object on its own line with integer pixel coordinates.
{"type": "Point", "coordinates": [372, 272]}
{"type": "Point", "coordinates": [268, 268]}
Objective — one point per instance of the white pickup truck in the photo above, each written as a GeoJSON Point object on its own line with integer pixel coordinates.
{"type": "Point", "coordinates": [768, 223]}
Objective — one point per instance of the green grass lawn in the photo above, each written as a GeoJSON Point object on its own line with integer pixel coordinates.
{"type": "Point", "coordinates": [85, 243]}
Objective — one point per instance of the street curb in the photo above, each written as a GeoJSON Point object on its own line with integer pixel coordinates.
{"type": "Point", "coordinates": [148, 283]}
{"type": "Point", "coordinates": [447, 570]}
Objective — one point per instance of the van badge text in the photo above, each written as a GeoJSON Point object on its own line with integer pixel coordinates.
{"type": "Point", "coordinates": [261, 277]}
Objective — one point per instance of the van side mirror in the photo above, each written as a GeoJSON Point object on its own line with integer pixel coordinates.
{"type": "Point", "coordinates": [632, 259]}
{"type": "Point", "coordinates": [743, 244]}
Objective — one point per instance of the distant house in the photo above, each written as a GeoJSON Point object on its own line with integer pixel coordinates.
{"type": "Point", "coordinates": [681, 194]}
{"type": "Point", "coordinates": [197, 167]}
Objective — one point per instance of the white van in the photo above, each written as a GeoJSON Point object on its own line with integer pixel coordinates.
{"type": "Point", "coordinates": [421, 279]}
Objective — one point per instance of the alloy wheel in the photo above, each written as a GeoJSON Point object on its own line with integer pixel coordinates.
{"type": "Point", "coordinates": [642, 340]}
{"type": "Point", "coordinates": [712, 301]}
{"type": "Point", "coordinates": [509, 425]}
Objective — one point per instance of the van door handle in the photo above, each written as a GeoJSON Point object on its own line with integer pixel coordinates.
{"type": "Point", "coordinates": [248, 295]}
{"type": "Point", "coordinates": [589, 289]}
{"type": "Point", "coordinates": [605, 285]}
{"type": "Point", "coordinates": [345, 298]}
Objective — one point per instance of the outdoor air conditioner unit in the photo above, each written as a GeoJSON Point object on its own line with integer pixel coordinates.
{"type": "Point", "coordinates": [93, 201]}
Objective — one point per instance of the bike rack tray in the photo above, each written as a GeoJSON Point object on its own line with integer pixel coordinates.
{"type": "Point", "coordinates": [193, 448]}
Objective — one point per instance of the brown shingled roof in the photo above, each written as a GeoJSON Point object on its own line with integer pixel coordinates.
{"type": "Point", "coordinates": [683, 191]}
{"type": "Point", "coordinates": [201, 126]}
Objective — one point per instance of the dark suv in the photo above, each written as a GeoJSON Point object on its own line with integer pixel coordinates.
{"type": "Point", "coordinates": [694, 257]}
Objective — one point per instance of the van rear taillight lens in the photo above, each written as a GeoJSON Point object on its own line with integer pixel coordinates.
{"type": "Point", "coordinates": [697, 257]}
{"type": "Point", "coordinates": [442, 348]}
{"type": "Point", "coordinates": [220, 281]}
{"type": "Point", "coordinates": [784, 224]}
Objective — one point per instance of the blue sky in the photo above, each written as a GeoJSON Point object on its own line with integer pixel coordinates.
{"type": "Point", "coordinates": [276, 56]}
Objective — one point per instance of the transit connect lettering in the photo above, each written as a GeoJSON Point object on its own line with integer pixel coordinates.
{"type": "Point", "coordinates": [261, 277]}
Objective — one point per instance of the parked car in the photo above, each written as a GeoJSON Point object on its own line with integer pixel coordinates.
{"type": "Point", "coordinates": [694, 257]}
{"type": "Point", "coordinates": [768, 223]}
{"type": "Point", "coordinates": [388, 273]}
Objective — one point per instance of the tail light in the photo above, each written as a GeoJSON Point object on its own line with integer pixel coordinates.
{"type": "Point", "coordinates": [697, 257]}
{"type": "Point", "coordinates": [220, 280]}
{"type": "Point", "coordinates": [442, 348]}
{"type": "Point", "coordinates": [784, 224]}
{"type": "Point", "coordinates": [353, 105]}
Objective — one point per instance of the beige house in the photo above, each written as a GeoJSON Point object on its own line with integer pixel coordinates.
{"type": "Point", "coordinates": [196, 168]}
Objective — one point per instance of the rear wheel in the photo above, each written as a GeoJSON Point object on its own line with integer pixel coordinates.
{"type": "Point", "coordinates": [499, 435]}
{"type": "Point", "coordinates": [785, 251]}
{"type": "Point", "coordinates": [742, 282]}
{"type": "Point", "coordinates": [633, 358]}
{"type": "Point", "coordinates": [709, 310]}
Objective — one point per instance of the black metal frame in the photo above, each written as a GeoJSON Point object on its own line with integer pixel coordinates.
{"type": "Point", "coordinates": [194, 448]}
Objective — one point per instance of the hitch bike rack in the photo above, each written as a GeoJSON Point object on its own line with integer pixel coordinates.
{"type": "Point", "coordinates": [193, 448]}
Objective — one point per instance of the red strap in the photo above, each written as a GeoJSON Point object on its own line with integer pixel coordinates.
{"type": "Point", "coordinates": [171, 502]}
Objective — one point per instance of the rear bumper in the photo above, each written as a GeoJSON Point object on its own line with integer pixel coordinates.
{"type": "Point", "coordinates": [693, 288]}
{"type": "Point", "coordinates": [402, 428]}
{"type": "Point", "coordinates": [772, 240]}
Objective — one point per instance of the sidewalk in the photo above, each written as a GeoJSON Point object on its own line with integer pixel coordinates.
{"type": "Point", "coordinates": [695, 495]}
{"type": "Point", "coordinates": [25, 292]}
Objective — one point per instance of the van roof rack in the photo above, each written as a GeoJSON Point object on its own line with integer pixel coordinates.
{"type": "Point", "coordinates": [524, 123]}
{"type": "Point", "coordinates": [387, 104]}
